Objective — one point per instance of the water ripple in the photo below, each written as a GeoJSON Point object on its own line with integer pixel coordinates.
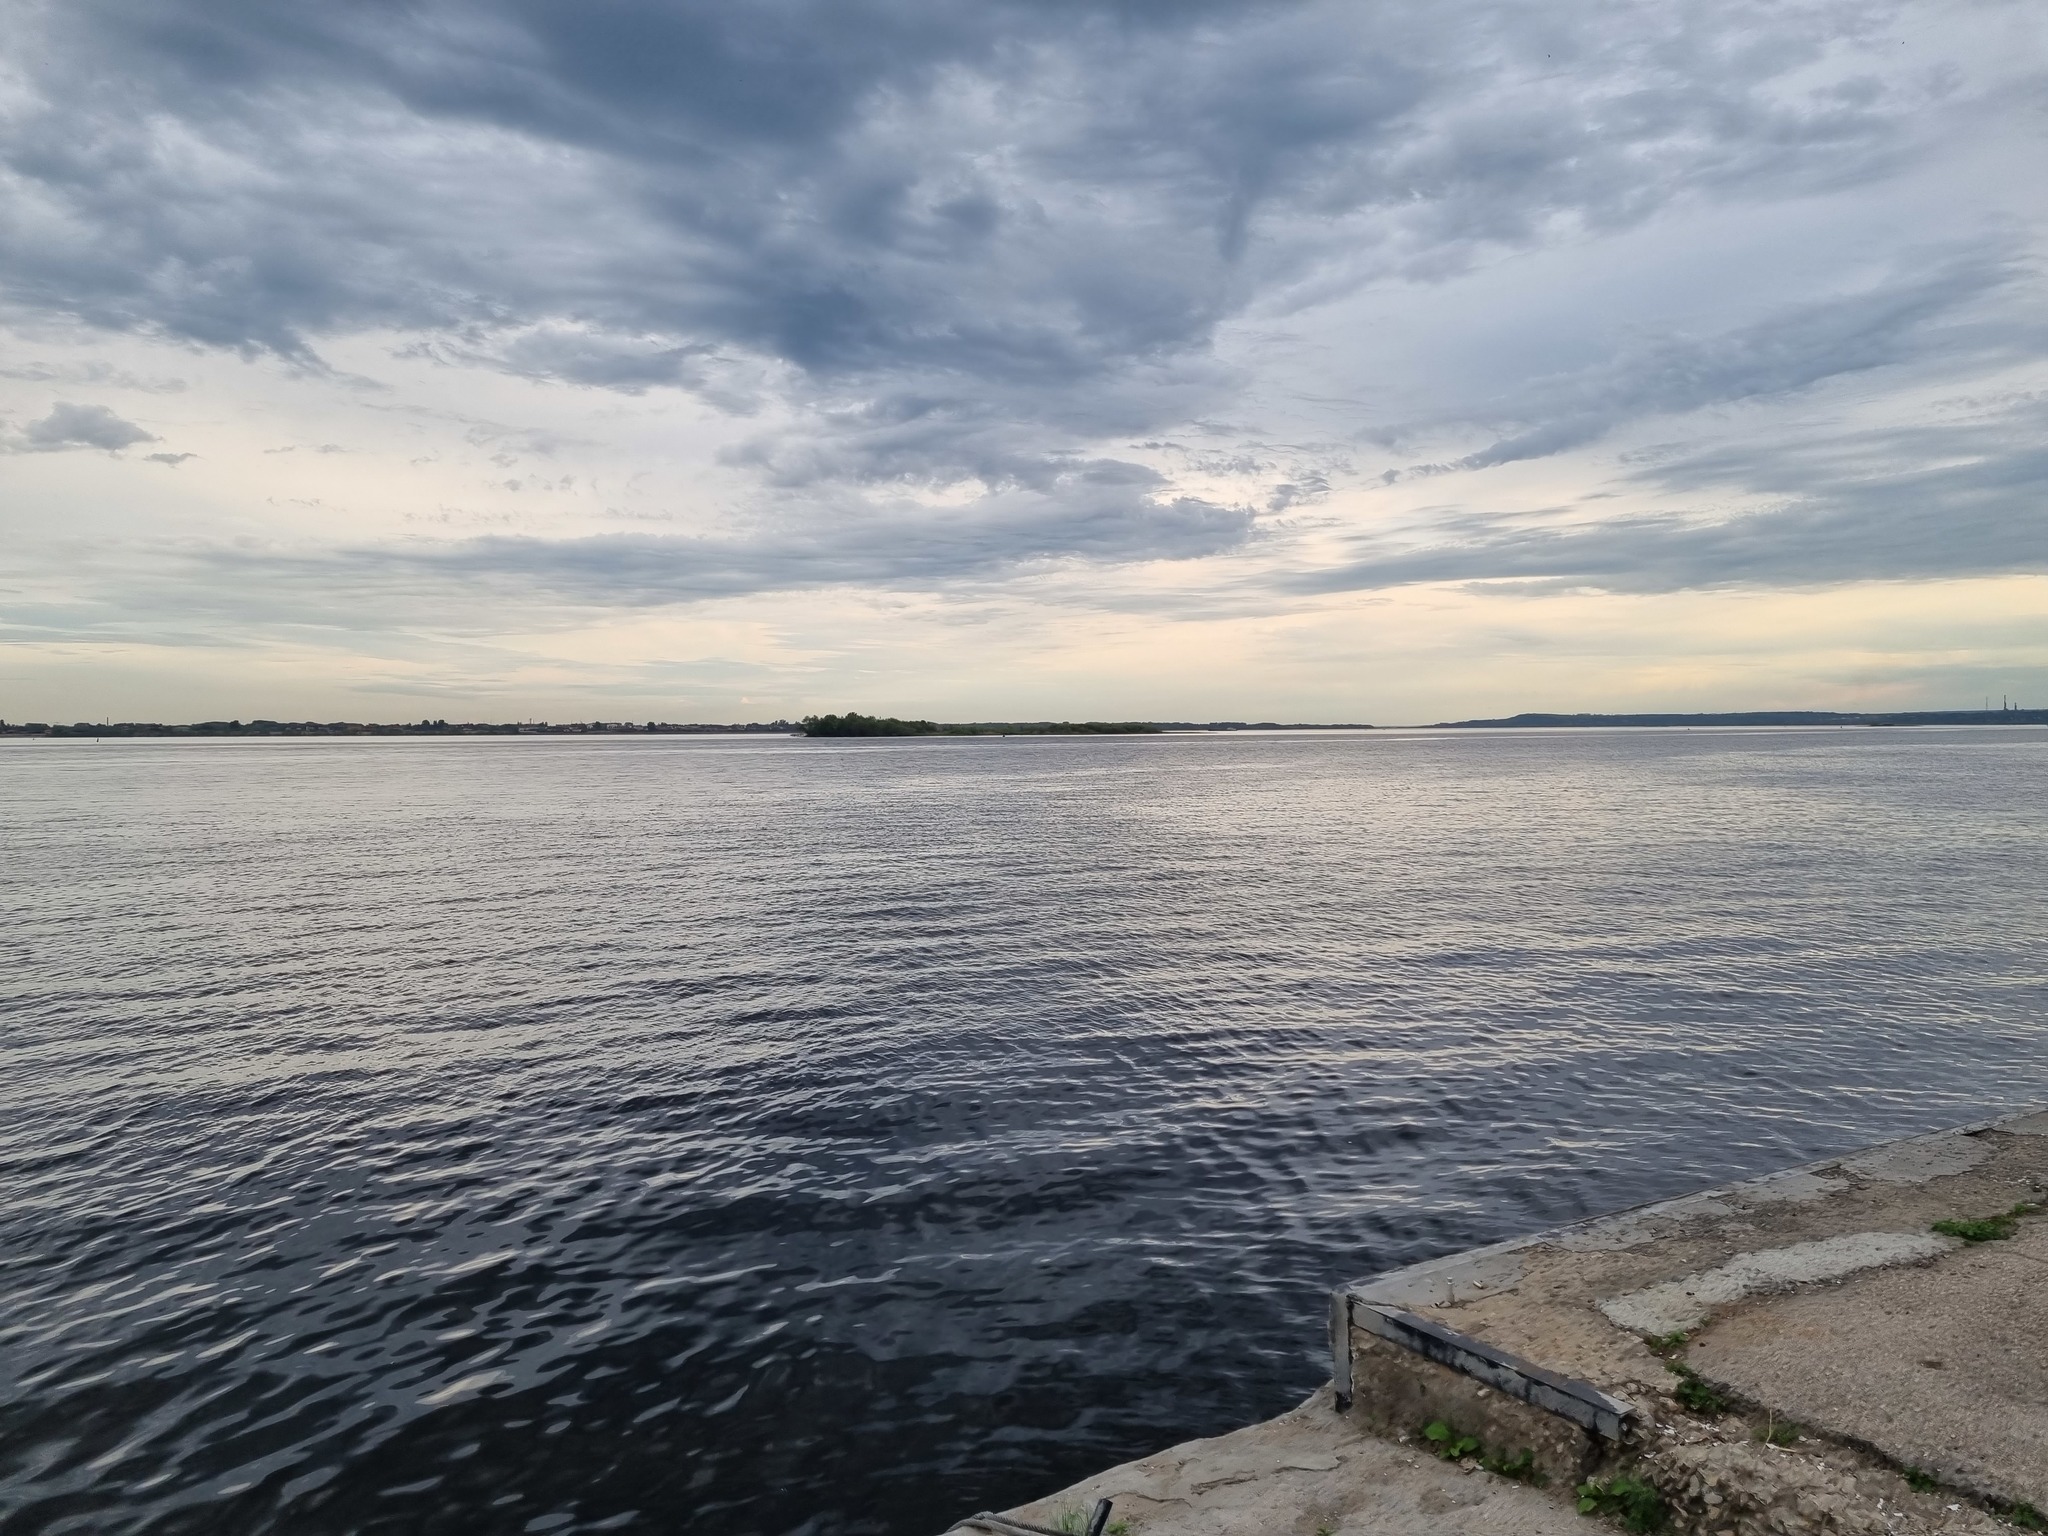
{"type": "Point", "coordinates": [828, 1138]}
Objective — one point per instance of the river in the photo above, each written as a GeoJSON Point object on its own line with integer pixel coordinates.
{"type": "Point", "coordinates": [761, 1135]}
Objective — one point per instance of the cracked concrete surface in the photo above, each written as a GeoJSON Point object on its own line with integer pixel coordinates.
{"type": "Point", "coordinates": [1891, 1360]}
{"type": "Point", "coordinates": [1306, 1471]}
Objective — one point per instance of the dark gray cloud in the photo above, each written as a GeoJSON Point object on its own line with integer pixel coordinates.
{"type": "Point", "coordinates": [891, 196]}
{"type": "Point", "coordinates": [91, 373]}
{"type": "Point", "coordinates": [1961, 498]}
{"type": "Point", "coordinates": [222, 594]}
{"type": "Point", "coordinates": [1933, 317]}
{"type": "Point", "coordinates": [78, 426]}
{"type": "Point", "coordinates": [932, 246]}
{"type": "Point", "coordinates": [1089, 515]}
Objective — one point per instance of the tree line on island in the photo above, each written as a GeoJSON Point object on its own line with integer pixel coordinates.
{"type": "Point", "coordinates": [854, 723]}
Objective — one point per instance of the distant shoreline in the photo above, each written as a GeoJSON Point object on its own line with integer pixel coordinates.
{"type": "Point", "coordinates": [220, 729]}
{"type": "Point", "coordinates": [231, 728]}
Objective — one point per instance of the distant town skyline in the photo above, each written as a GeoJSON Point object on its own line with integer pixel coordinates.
{"type": "Point", "coordinates": [661, 360]}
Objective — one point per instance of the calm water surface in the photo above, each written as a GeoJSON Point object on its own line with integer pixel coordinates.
{"type": "Point", "coordinates": [767, 1136]}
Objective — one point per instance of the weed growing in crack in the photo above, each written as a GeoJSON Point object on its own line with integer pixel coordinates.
{"type": "Point", "coordinates": [1447, 1442]}
{"type": "Point", "coordinates": [1921, 1482]}
{"type": "Point", "coordinates": [1777, 1431]}
{"type": "Point", "coordinates": [1519, 1468]}
{"type": "Point", "coordinates": [1695, 1393]}
{"type": "Point", "coordinates": [2026, 1517]}
{"type": "Point", "coordinates": [1635, 1503]}
{"type": "Point", "coordinates": [1668, 1344]}
{"type": "Point", "coordinates": [1451, 1445]}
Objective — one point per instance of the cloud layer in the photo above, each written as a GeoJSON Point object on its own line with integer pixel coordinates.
{"type": "Point", "coordinates": [1019, 212]}
{"type": "Point", "coordinates": [951, 295]}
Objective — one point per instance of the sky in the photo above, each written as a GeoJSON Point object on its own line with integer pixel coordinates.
{"type": "Point", "coordinates": [1388, 362]}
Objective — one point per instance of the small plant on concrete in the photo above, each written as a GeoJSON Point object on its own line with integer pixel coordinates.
{"type": "Point", "coordinates": [1635, 1503]}
{"type": "Point", "coordinates": [2026, 1517]}
{"type": "Point", "coordinates": [1668, 1344]}
{"type": "Point", "coordinates": [1447, 1442]}
{"type": "Point", "coordinates": [1777, 1431]}
{"type": "Point", "coordinates": [1693, 1392]}
{"type": "Point", "coordinates": [1451, 1445]}
{"type": "Point", "coordinates": [1519, 1468]}
{"type": "Point", "coordinates": [1921, 1482]}
{"type": "Point", "coordinates": [1988, 1229]}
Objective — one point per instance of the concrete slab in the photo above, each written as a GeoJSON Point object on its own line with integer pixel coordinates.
{"type": "Point", "coordinates": [1678, 1306]}
{"type": "Point", "coordinates": [1305, 1472]}
{"type": "Point", "coordinates": [1812, 1296]}
{"type": "Point", "coordinates": [1943, 1368]}
{"type": "Point", "coordinates": [1541, 1295]}
{"type": "Point", "coordinates": [1919, 1159]}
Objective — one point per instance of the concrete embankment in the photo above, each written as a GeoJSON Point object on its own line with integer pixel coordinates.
{"type": "Point", "coordinates": [1856, 1346]}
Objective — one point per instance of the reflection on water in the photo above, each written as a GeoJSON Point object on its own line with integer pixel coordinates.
{"type": "Point", "coordinates": [572, 1135]}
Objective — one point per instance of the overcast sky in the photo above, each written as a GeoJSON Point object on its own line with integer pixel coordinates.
{"type": "Point", "coordinates": [1388, 361]}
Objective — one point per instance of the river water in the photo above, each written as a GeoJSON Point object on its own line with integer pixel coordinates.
{"type": "Point", "coordinates": [764, 1136]}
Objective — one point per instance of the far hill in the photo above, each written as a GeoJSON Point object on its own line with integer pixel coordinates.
{"type": "Point", "coordinates": [1764, 717]}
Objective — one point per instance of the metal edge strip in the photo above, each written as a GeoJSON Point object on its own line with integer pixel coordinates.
{"type": "Point", "coordinates": [1580, 1401]}
{"type": "Point", "coordinates": [1340, 1345]}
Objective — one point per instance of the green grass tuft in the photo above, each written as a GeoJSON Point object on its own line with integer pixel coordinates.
{"type": "Point", "coordinates": [1921, 1482]}
{"type": "Point", "coordinates": [1519, 1468]}
{"type": "Point", "coordinates": [1447, 1442]}
{"type": "Point", "coordinates": [1695, 1393]}
{"type": "Point", "coordinates": [1453, 1445]}
{"type": "Point", "coordinates": [1635, 1503]}
{"type": "Point", "coordinates": [1988, 1229]}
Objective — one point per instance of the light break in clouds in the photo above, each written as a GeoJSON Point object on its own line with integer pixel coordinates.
{"type": "Point", "coordinates": [492, 358]}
